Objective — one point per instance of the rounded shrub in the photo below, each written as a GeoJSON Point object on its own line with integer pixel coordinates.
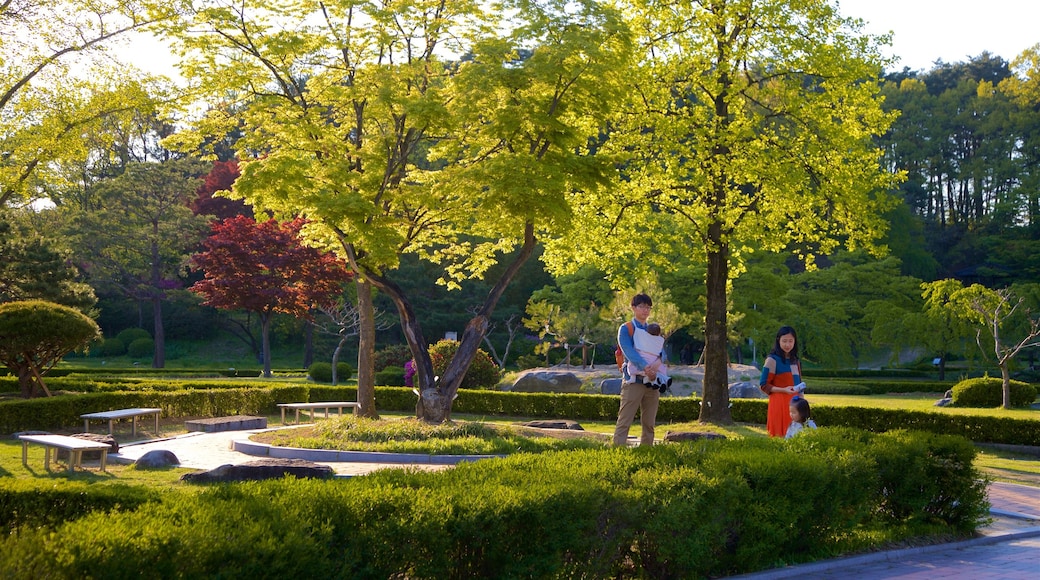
{"type": "Point", "coordinates": [141, 347]}
{"type": "Point", "coordinates": [112, 347]}
{"type": "Point", "coordinates": [395, 355]}
{"type": "Point", "coordinates": [129, 335]}
{"type": "Point", "coordinates": [988, 392]}
{"type": "Point", "coordinates": [321, 372]}
{"type": "Point", "coordinates": [390, 377]}
{"type": "Point", "coordinates": [483, 373]}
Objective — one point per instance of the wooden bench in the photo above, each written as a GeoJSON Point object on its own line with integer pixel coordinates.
{"type": "Point", "coordinates": [73, 445]}
{"type": "Point", "coordinates": [311, 407]}
{"type": "Point", "coordinates": [111, 417]}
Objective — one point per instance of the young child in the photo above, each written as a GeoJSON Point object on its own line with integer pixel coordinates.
{"type": "Point", "coordinates": [801, 416]}
{"type": "Point", "coordinates": [650, 345]}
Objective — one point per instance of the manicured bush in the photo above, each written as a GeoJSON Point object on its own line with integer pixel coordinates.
{"type": "Point", "coordinates": [141, 348]}
{"type": "Point", "coordinates": [34, 502]}
{"type": "Point", "coordinates": [691, 510]}
{"type": "Point", "coordinates": [321, 372]}
{"type": "Point", "coordinates": [112, 347]}
{"type": "Point", "coordinates": [988, 392]}
{"type": "Point", "coordinates": [63, 411]}
{"type": "Point", "coordinates": [390, 376]}
{"type": "Point", "coordinates": [128, 335]}
{"type": "Point", "coordinates": [395, 355]}
{"type": "Point", "coordinates": [483, 373]}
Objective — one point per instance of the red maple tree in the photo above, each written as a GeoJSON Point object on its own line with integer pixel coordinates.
{"type": "Point", "coordinates": [220, 178]}
{"type": "Point", "coordinates": [263, 267]}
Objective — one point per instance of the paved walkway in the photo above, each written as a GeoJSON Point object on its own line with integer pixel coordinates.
{"type": "Point", "coordinates": [1008, 549]}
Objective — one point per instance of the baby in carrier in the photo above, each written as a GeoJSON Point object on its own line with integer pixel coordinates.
{"type": "Point", "coordinates": [650, 345]}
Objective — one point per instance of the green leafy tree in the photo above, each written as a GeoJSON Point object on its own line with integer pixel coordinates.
{"type": "Point", "coordinates": [845, 304]}
{"type": "Point", "coordinates": [36, 334]}
{"type": "Point", "coordinates": [139, 239]}
{"type": "Point", "coordinates": [31, 268]}
{"type": "Point", "coordinates": [54, 88]}
{"type": "Point", "coordinates": [939, 326]}
{"type": "Point", "coordinates": [994, 313]}
{"type": "Point", "coordinates": [353, 118]}
{"type": "Point", "coordinates": [749, 128]}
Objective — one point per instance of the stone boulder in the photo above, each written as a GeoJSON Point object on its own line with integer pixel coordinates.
{"type": "Point", "coordinates": [610, 387]}
{"type": "Point", "coordinates": [674, 436]}
{"type": "Point", "coordinates": [746, 390]}
{"type": "Point", "coordinates": [559, 424]}
{"type": "Point", "coordinates": [547, 382]}
{"type": "Point", "coordinates": [261, 469]}
{"type": "Point", "coordinates": [157, 459]}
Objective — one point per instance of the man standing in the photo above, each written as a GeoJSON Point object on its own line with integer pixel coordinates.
{"type": "Point", "coordinates": [636, 392]}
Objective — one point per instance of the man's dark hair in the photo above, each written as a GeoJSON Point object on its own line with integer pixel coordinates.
{"type": "Point", "coordinates": [641, 299]}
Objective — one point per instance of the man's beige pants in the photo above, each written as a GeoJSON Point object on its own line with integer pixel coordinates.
{"type": "Point", "coordinates": [637, 397]}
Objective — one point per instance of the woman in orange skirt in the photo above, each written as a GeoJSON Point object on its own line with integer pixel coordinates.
{"type": "Point", "coordinates": [780, 373]}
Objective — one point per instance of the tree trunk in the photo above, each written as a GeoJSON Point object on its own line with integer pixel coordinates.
{"type": "Point", "coordinates": [265, 341]}
{"type": "Point", "coordinates": [1005, 386]}
{"type": "Point", "coordinates": [436, 396]}
{"type": "Point", "coordinates": [366, 392]}
{"type": "Point", "coordinates": [159, 356]}
{"type": "Point", "coordinates": [715, 408]}
{"type": "Point", "coordinates": [308, 344]}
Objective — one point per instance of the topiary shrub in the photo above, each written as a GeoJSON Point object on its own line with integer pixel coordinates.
{"type": "Point", "coordinates": [483, 373]}
{"type": "Point", "coordinates": [112, 347]}
{"type": "Point", "coordinates": [321, 372]}
{"type": "Point", "coordinates": [128, 335]}
{"type": "Point", "coordinates": [141, 348]}
{"type": "Point", "coordinates": [390, 377]}
{"type": "Point", "coordinates": [36, 334]}
{"type": "Point", "coordinates": [987, 392]}
{"type": "Point", "coordinates": [395, 355]}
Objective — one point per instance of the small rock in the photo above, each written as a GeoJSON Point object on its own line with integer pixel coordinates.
{"type": "Point", "coordinates": [261, 469]}
{"type": "Point", "coordinates": [157, 459]}
{"type": "Point", "coordinates": [561, 424]}
{"type": "Point", "coordinates": [610, 386]}
{"type": "Point", "coordinates": [691, 436]}
{"type": "Point", "coordinates": [547, 382]}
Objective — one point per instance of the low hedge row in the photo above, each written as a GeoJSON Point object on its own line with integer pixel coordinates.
{"type": "Point", "coordinates": [59, 412]}
{"type": "Point", "coordinates": [873, 373]}
{"type": "Point", "coordinates": [64, 411]}
{"type": "Point", "coordinates": [41, 503]}
{"type": "Point", "coordinates": [145, 372]}
{"type": "Point", "coordinates": [690, 510]}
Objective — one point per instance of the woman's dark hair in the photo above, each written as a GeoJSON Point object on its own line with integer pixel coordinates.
{"type": "Point", "coordinates": [641, 299]}
{"type": "Point", "coordinates": [784, 331]}
{"type": "Point", "coordinates": [801, 404]}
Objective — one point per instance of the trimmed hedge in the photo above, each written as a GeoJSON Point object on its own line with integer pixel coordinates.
{"type": "Point", "coordinates": [321, 372]}
{"type": "Point", "coordinates": [40, 502]}
{"type": "Point", "coordinates": [63, 411]}
{"type": "Point", "coordinates": [989, 392]}
{"type": "Point", "coordinates": [672, 511]}
{"type": "Point", "coordinates": [213, 398]}
{"type": "Point", "coordinates": [390, 376]}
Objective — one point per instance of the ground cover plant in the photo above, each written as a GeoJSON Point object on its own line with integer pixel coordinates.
{"type": "Point", "coordinates": [408, 435]}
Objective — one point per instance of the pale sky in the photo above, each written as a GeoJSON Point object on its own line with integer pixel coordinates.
{"type": "Point", "coordinates": [924, 31]}
{"type": "Point", "coordinates": [951, 30]}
